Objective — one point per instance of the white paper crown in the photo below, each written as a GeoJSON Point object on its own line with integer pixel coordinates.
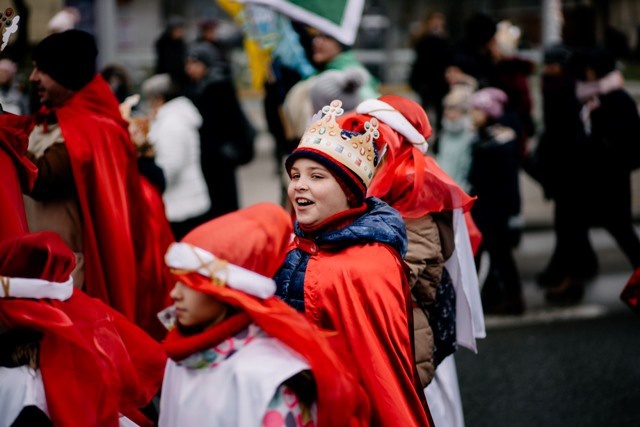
{"type": "Point", "coordinates": [186, 258]}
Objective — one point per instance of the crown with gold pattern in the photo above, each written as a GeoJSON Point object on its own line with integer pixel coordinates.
{"type": "Point", "coordinates": [355, 151]}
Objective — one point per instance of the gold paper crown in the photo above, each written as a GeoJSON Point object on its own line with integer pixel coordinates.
{"type": "Point", "coordinates": [355, 151]}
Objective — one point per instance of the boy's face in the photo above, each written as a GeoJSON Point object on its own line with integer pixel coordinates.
{"type": "Point", "coordinates": [314, 192]}
{"type": "Point", "coordinates": [194, 308]}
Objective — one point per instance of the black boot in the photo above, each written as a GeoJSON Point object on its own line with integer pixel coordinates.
{"type": "Point", "coordinates": [569, 292]}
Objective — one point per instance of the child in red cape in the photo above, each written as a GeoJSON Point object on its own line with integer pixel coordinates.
{"type": "Point", "coordinates": [78, 361]}
{"type": "Point", "coordinates": [238, 355]}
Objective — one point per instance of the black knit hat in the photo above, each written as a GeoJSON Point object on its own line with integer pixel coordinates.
{"type": "Point", "coordinates": [68, 57]}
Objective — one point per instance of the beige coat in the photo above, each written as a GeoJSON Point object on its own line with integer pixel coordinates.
{"type": "Point", "coordinates": [430, 242]}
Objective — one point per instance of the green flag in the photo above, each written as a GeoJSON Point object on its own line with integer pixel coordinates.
{"type": "Point", "coordinates": [338, 18]}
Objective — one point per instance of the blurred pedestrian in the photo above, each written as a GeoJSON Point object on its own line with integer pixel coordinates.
{"type": "Point", "coordinates": [238, 355]}
{"type": "Point", "coordinates": [138, 130]}
{"type": "Point", "coordinates": [88, 188]}
{"type": "Point", "coordinates": [559, 163]}
{"type": "Point", "coordinates": [474, 55]}
{"type": "Point", "coordinates": [174, 134]}
{"type": "Point", "coordinates": [12, 98]}
{"type": "Point", "coordinates": [344, 271]}
{"type": "Point", "coordinates": [612, 125]}
{"type": "Point", "coordinates": [171, 50]}
{"type": "Point", "coordinates": [494, 179]}
{"type": "Point", "coordinates": [65, 358]}
{"type": "Point", "coordinates": [456, 136]}
{"type": "Point", "coordinates": [226, 135]}
{"type": "Point", "coordinates": [488, 54]}
{"type": "Point", "coordinates": [65, 19]}
{"type": "Point", "coordinates": [330, 54]}
{"type": "Point", "coordinates": [433, 53]}
{"type": "Point", "coordinates": [432, 207]}
{"type": "Point", "coordinates": [119, 79]}
{"type": "Point", "coordinates": [208, 32]}
{"type": "Point", "coordinates": [513, 72]}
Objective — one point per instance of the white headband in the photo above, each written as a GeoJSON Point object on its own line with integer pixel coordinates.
{"type": "Point", "coordinates": [183, 256]}
{"type": "Point", "coordinates": [393, 118]}
{"type": "Point", "coordinates": [20, 287]}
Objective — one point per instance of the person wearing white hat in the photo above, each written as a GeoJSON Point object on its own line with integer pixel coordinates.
{"type": "Point", "coordinates": [447, 312]}
{"type": "Point", "coordinates": [238, 356]}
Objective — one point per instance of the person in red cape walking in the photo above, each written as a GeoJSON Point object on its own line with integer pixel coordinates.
{"type": "Point", "coordinates": [238, 355]}
{"type": "Point", "coordinates": [66, 359]}
{"type": "Point", "coordinates": [89, 189]}
{"type": "Point", "coordinates": [441, 237]}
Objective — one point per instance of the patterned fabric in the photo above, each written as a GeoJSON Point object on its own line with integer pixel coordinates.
{"type": "Point", "coordinates": [285, 410]}
{"type": "Point", "coordinates": [212, 357]}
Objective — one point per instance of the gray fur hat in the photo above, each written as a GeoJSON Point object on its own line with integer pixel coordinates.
{"type": "Point", "coordinates": [338, 84]}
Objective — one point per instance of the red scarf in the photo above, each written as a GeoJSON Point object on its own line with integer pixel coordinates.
{"type": "Point", "coordinates": [179, 346]}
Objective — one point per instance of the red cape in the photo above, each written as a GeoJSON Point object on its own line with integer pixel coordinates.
{"type": "Point", "coordinates": [366, 304]}
{"type": "Point", "coordinates": [17, 174]}
{"type": "Point", "coordinates": [95, 364]}
{"type": "Point", "coordinates": [125, 229]}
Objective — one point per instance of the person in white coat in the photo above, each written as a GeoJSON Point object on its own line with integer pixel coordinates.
{"type": "Point", "coordinates": [174, 134]}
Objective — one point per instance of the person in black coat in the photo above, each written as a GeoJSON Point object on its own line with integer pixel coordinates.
{"type": "Point", "coordinates": [433, 54]}
{"type": "Point", "coordinates": [494, 179]}
{"type": "Point", "coordinates": [560, 165]}
{"type": "Point", "coordinates": [171, 49]}
{"type": "Point", "coordinates": [612, 126]}
{"type": "Point", "coordinates": [226, 135]}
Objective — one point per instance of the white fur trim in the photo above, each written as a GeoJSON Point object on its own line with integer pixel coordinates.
{"type": "Point", "coordinates": [393, 118]}
{"type": "Point", "coordinates": [20, 287]}
{"type": "Point", "coordinates": [183, 256]}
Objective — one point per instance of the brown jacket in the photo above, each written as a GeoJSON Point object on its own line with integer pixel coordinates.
{"type": "Point", "coordinates": [430, 243]}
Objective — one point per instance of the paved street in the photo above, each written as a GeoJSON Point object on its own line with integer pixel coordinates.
{"type": "Point", "coordinates": [550, 367]}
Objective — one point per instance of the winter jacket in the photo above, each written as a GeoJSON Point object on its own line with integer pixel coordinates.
{"type": "Point", "coordinates": [174, 133]}
{"type": "Point", "coordinates": [425, 259]}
